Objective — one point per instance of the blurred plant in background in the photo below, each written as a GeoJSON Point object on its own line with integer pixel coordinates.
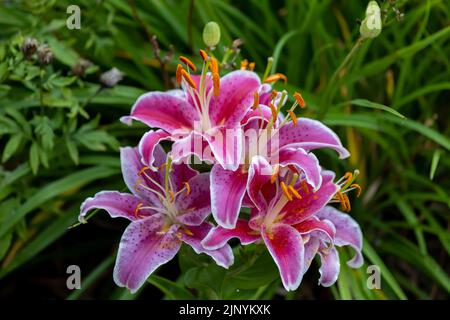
{"type": "Point", "coordinates": [59, 134]}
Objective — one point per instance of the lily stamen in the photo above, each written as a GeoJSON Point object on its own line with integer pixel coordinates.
{"type": "Point", "coordinates": [244, 64]}
{"type": "Point", "coordinates": [294, 192]}
{"type": "Point", "coordinates": [178, 75]}
{"type": "Point", "coordinates": [276, 170]}
{"type": "Point", "coordinates": [275, 77]}
{"type": "Point", "coordinates": [186, 76]}
{"type": "Point", "coordinates": [286, 191]}
{"type": "Point", "coordinates": [298, 97]}
{"type": "Point", "coordinates": [188, 63]}
{"type": "Point", "coordinates": [251, 66]}
{"type": "Point", "coordinates": [255, 100]}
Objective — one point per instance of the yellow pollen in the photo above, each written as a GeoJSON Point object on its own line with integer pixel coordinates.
{"type": "Point", "coordinates": [216, 84]}
{"type": "Point", "coordinates": [276, 170]}
{"type": "Point", "coordinates": [274, 111]}
{"type": "Point", "coordinates": [275, 77]}
{"type": "Point", "coordinates": [188, 63]}
{"type": "Point", "coordinates": [358, 187]}
{"type": "Point", "coordinates": [204, 55]}
{"type": "Point", "coordinates": [179, 73]}
{"type": "Point", "coordinates": [188, 79]}
{"type": "Point", "coordinates": [305, 187]}
{"type": "Point", "coordinates": [188, 188]}
{"type": "Point", "coordinates": [286, 191]}
{"type": "Point", "coordinates": [244, 64]}
{"type": "Point", "coordinates": [255, 100]}
{"type": "Point", "coordinates": [298, 97]}
{"type": "Point", "coordinates": [348, 176]}
{"type": "Point", "coordinates": [293, 117]}
{"type": "Point", "coordinates": [251, 66]}
{"type": "Point", "coordinates": [294, 192]}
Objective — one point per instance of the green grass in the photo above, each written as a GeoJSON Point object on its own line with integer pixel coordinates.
{"type": "Point", "coordinates": [389, 102]}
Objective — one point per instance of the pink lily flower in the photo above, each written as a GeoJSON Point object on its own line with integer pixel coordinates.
{"type": "Point", "coordinates": [295, 223]}
{"type": "Point", "coordinates": [207, 108]}
{"type": "Point", "coordinates": [284, 144]}
{"type": "Point", "coordinates": [165, 210]}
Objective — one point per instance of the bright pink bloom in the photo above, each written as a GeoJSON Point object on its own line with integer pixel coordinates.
{"type": "Point", "coordinates": [164, 210]}
{"type": "Point", "coordinates": [293, 221]}
{"type": "Point", "coordinates": [286, 144]}
{"type": "Point", "coordinates": [198, 117]}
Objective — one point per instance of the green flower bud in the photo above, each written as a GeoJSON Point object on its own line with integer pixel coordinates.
{"type": "Point", "coordinates": [371, 25]}
{"type": "Point", "coordinates": [211, 34]}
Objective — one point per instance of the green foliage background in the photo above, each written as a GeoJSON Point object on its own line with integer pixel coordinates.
{"type": "Point", "coordinates": [59, 137]}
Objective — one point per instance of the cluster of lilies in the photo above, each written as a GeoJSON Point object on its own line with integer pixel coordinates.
{"type": "Point", "coordinates": [259, 159]}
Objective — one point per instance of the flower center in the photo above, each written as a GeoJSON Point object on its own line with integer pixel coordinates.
{"type": "Point", "coordinates": [201, 96]}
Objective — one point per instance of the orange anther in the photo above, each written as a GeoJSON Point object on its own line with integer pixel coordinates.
{"type": "Point", "coordinates": [358, 187]}
{"type": "Point", "coordinates": [189, 63]}
{"type": "Point", "coordinates": [298, 97]}
{"type": "Point", "coordinates": [293, 117]}
{"type": "Point", "coordinates": [172, 196]}
{"type": "Point", "coordinates": [188, 79]}
{"type": "Point", "coordinates": [251, 66]}
{"type": "Point", "coordinates": [216, 84]}
{"type": "Point", "coordinates": [188, 188]}
{"type": "Point", "coordinates": [141, 172]}
{"type": "Point", "coordinates": [214, 65]}
{"type": "Point", "coordinates": [275, 77]}
{"type": "Point", "coordinates": [274, 111]}
{"type": "Point", "coordinates": [179, 73]}
{"type": "Point", "coordinates": [136, 211]}
{"type": "Point", "coordinates": [286, 191]}
{"type": "Point", "coordinates": [204, 55]}
{"type": "Point", "coordinates": [255, 100]}
{"type": "Point", "coordinates": [294, 192]}
{"type": "Point", "coordinates": [276, 171]}
{"type": "Point", "coordinates": [273, 94]}
{"type": "Point", "coordinates": [244, 64]}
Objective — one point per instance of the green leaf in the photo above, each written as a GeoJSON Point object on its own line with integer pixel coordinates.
{"type": "Point", "coordinates": [434, 162]}
{"type": "Point", "coordinates": [73, 150]}
{"type": "Point", "coordinates": [56, 188]}
{"type": "Point", "coordinates": [11, 147]}
{"type": "Point", "coordinates": [5, 242]}
{"type": "Point", "coordinates": [34, 157]}
{"type": "Point", "coordinates": [369, 104]}
{"type": "Point", "coordinates": [172, 290]}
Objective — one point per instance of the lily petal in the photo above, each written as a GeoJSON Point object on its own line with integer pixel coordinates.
{"type": "Point", "coordinates": [143, 248]}
{"type": "Point", "coordinates": [235, 98]}
{"type": "Point", "coordinates": [286, 247]}
{"type": "Point", "coordinates": [310, 134]}
{"type": "Point", "coordinates": [149, 141]}
{"type": "Point", "coordinates": [307, 162]}
{"type": "Point", "coordinates": [314, 225]}
{"type": "Point", "coordinates": [226, 145]}
{"type": "Point", "coordinates": [116, 204]}
{"type": "Point", "coordinates": [219, 236]}
{"type": "Point", "coordinates": [299, 210]}
{"type": "Point", "coordinates": [191, 145]}
{"type": "Point", "coordinates": [138, 182]}
{"type": "Point", "coordinates": [180, 174]}
{"type": "Point", "coordinates": [329, 270]}
{"type": "Point", "coordinates": [196, 205]}
{"type": "Point", "coordinates": [163, 110]}
{"type": "Point", "coordinates": [193, 236]}
{"type": "Point", "coordinates": [259, 174]}
{"type": "Point", "coordinates": [227, 191]}
{"type": "Point", "coordinates": [348, 232]}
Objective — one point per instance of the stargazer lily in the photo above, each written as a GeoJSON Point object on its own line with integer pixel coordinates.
{"type": "Point", "coordinates": [208, 110]}
{"type": "Point", "coordinates": [284, 143]}
{"type": "Point", "coordinates": [166, 208]}
{"type": "Point", "coordinates": [295, 223]}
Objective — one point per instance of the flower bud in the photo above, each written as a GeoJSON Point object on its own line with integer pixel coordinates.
{"type": "Point", "coordinates": [29, 47]}
{"type": "Point", "coordinates": [80, 67]}
{"type": "Point", "coordinates": [211, 34]}
{"type": "Point", "coordinates": [111, 77]}
{"type": "Point", "coordinates": [45, 54]}
{"type": "Point", "coordinates": [371, 25]}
